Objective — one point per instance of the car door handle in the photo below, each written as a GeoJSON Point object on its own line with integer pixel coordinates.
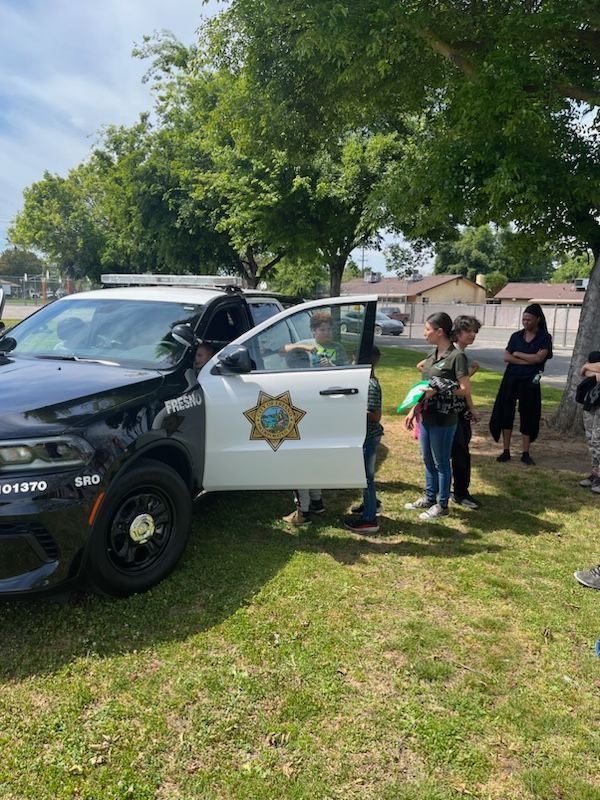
{"type": "Point", "coordinates": [338, 390]}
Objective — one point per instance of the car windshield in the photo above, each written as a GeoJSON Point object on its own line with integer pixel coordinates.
{"type": "Point", "coordinates": [132, 333]}
{"type": "Point", "coordinates": [382, 317]}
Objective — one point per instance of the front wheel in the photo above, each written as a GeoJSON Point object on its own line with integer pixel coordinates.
{"type": "Point", "coordinates": [378, 330]}
{"type": "Point", "coordinates": [141, 531]}
{"type": "Point", "coordinates": [343, 328]}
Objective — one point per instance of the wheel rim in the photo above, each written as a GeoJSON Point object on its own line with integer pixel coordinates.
{"type": "Point", "coordinates": [378, 330]}
{"type": "Point", "coordinates": [141, 531]}
{"type": "Point", "coordinates": [343, 328]}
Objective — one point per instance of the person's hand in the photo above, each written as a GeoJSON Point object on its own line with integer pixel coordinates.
{"type": "Point", "coordinates": [409, 421]}
{"type": "Point", "coordinates": [475, 417]}
{"type": "Point", "coordinates": [429, 393]}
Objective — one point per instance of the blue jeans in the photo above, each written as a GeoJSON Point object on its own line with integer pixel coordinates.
{"type": "Point", "coordinates": [436, 448]}
{"type": "Point", "coordinates": [369, 494]}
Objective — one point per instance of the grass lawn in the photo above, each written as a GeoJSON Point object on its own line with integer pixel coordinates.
{"type": "Point", "coordinates": [429, 662]}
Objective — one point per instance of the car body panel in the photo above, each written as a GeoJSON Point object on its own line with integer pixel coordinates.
{"type": "Point", "coordinates": [194, 423]}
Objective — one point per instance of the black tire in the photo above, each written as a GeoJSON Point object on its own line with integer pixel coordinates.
{"type": "Point", "coordinates": [155, 497]}
{"type": "Point", "coordinates": [378, 330]}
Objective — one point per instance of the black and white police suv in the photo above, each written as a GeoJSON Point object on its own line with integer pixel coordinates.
{"type": "Point", "coordinates": [108, 433]}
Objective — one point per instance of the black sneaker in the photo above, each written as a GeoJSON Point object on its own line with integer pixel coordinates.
{"type": "Point", "coordinates": [316, 507]}
{"type": "Point", "coordinates": [504, 456]}
{"type": "Point", "coordinates": [357, 525]}
{"type": "Point", "coordinates": [527, 459]}
{"type": "Point", "coordinates": [467, 501]}
{"type": "Point", "coordinates": [359, 509]}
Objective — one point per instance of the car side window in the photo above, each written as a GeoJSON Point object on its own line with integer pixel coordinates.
{"type": "Point", "coordinates": [225, 325]}
{"type": "Point", "coordinates": [327, 336]}
{"type": "Point", "coordinates": [260, 311]}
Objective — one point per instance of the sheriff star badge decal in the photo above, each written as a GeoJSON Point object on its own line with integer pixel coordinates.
{"type": "Point", "coordinates": [274, 419]}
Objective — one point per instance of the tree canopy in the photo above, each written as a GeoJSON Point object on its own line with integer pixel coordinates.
{"type": "Point", "coordinates": [16, 262]}
{"type": "Point", "coordinates": [496, 106]}
{"type": "Point", "coordinates": [486, 249]}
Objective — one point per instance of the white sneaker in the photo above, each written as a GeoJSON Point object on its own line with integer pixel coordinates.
{"type": "Point", "coordinates": [422, 502]}
{"type": "Point", "coordinates": [434, 512]}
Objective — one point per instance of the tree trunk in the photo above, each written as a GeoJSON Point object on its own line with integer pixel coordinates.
{"type": "Point", "coordinates": [336, 271]}
{"type": "Point", "coordinates": [568, 417]}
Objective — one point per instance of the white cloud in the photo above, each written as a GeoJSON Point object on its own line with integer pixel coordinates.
{"type": "Point", "coordinates": [67, 70]}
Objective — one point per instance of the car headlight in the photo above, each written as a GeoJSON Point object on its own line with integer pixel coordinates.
{"type": "Point", "coordinates": [52, 452]}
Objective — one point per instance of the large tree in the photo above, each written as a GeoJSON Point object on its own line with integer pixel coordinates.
{"type": "Point", "coordinates": [271, 200]}
{"type": "Point", "coordinates": [122, 209]}
{"type": "Point", "coordinates": [16, 262]}
{"type": "Point", "coordinates": [486, 249]}
{"type": "Point", "coordinates": [497, 106]}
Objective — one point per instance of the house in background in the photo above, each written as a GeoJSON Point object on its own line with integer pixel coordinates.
{"type": "Point", "coordinates": [431, 289]}
{"type": "Point", "coordinates": [549, 294]}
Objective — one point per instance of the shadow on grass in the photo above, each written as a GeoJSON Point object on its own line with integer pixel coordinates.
{"type": "Point", "coordinates": [533, 491]}
{"type": "Point", "coordinates": [237, 547]}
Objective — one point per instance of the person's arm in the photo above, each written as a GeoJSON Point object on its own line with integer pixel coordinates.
{"type": "Point", "coordinates": [420, 365]}
{"type": "Point", "coordinates": [287, 348]}
{"type": "Point", "coordinates": [464, 390]}
{"type": "Point", "coordinates": [592, 368]}
{"type": "Point", "coordinates": [532, 358]}
{"type": "Point", "coordinates": [473, 367]}
{"type": "Point", "coordinates": [509, 358]}
{"type": "Point", "coordinates": [409, 419]}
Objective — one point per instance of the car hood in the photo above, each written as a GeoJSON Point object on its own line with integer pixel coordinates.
{"type": "Point", "coordinates": [37, 394]}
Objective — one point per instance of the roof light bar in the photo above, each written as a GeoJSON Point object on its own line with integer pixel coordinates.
{"type": "Point", "coordinates": [198, 281]}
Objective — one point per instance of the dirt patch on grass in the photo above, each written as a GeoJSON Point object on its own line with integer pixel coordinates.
{"type": "Point", "coordinates": [552, 450]}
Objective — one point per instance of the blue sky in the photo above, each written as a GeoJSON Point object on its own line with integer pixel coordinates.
{"type": "Point", "coordinates": [67, 70]}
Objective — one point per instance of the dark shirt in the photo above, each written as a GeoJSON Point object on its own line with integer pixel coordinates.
{"type": "Point", "coordinates": [374, 404]}
{"type": "Point", "coordinates": [451, 365]}
{"type": "Point", "coordinates": [518, 344]}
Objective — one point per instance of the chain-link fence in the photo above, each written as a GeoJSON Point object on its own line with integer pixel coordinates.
{"type": "Point", "coordinates": [562, 321]}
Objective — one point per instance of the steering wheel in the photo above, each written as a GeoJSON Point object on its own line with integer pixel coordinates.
{"type": "Point", "coordinates": [104, 341]}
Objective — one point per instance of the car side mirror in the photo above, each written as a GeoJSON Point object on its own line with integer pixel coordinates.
{"type": "Point", "coordinates": [7, 343]}
{"type": "Point", "coordinates": [234, 358]}
{"type": "Point", "coordinates": [183, 334]}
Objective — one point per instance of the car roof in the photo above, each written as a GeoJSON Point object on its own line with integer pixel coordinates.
{"type": "Point", "coordinates": [157, 294]}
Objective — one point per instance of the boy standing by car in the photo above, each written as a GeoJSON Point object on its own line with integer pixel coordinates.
{"type": "Point", "coordinates": [464, 331]}
{"type": "Point", "coordinates": [322, 351]}
{"type": "Point", "coordinates": [367, 521]}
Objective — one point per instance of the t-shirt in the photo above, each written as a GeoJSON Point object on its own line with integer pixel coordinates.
{"type": "Point", "coordinates": [451, 365]}
{"type": "Point", "coordinates": [518, 344]}
{"type": "Point", "coordinates": [374, 404]}
{"type": "Point", "coordinates": [333, 352]}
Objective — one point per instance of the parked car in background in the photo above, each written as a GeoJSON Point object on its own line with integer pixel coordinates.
{"type": "Point", "coordinates": [393, 312]}
{"type": "Point", "coordinates": [384, 326]}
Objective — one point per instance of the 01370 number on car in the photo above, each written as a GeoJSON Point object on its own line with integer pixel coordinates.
{"type": "Point", "coordinates": [23, 487]}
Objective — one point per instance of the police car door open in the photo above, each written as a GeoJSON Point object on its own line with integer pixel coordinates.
{"type": "Point", "coordinates": [286, 403]}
